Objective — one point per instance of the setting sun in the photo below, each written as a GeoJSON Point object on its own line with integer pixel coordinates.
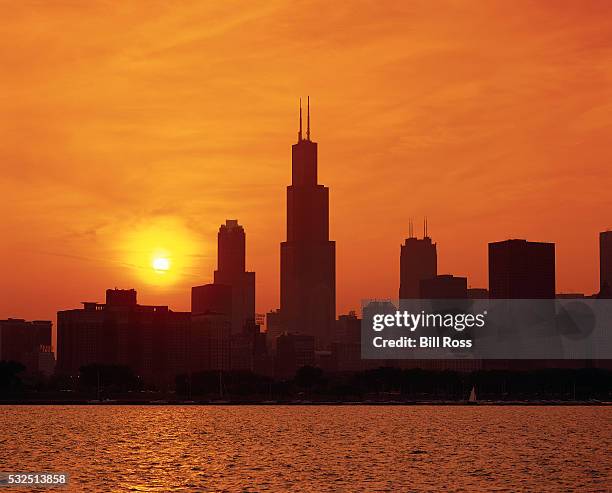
{"type": "Point", "coordinates": [161, 251]}
{"type": "Point", "coordinates": [161, 264]}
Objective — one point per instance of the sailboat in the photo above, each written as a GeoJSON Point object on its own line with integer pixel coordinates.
{"type": "Point", "coordinates": [472, 399]}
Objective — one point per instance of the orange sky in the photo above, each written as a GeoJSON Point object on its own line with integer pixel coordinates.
{"type": "Point", "coordinates": [124, 121]}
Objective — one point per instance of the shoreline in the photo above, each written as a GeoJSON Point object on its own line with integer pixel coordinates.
{"type": "Point", "coordinates": [111, 402]}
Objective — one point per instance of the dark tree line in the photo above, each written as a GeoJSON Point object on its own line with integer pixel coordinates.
{"type": "Point", "coordinates": [409, 384]}
{"type": "Point", "coordinates": [93, 380]}
{"type": "Point", "coordinates": [10, 377]}
{"type": "Point", "coordinates": [108, 378]}
{"type": "Point", "coordinates": [381, 384]}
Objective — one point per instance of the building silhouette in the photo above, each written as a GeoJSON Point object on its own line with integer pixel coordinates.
{"type": "Point", "coordinates": [151, 340]}
{"type": "Point", "coordinates": [308, 257]}
{"type": "Point", "coordinates": [346, 348]}
{"type": "Point", "coordinates": [293, 351]}
{"type": "Point", "coordinates": [211, 327]}
{"type": "Point", "coordinates": [210, 342]}
{"type": "Point", "coordinates": [418, 261]}
{"type": "Point", "coordinates": [274, 328]}
{"type": "Point", "coordinates": [249, 351]}
{"type": "Point", "coordinates": [348, 328]}
{"type": "Point", "coordinates": [28, 343]}
{"type": "Point", "coordinates": [223, 313]}
{"type": "Point", "coordinates": [521, 269]}
{"type": "Point", "coordinates": [605, 264]}
{"type": "Point", "coordinates": [212, 298]}
{"type": "Point", "coordinates": [231, 270]}
{"type": "Point", "coordinates": [444, 287]}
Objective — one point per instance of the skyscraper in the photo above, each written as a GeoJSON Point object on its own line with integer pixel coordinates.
{"type": "Point", "coordinates": [223, 313]}
{"type": "Point", "coordinates": [524, 270]}
{"type": "Point", "coordinates": [308, 258]}
{"type": "Point", "coordinates": [605, 264]}
{"type": "Point", "coordinates": [231, 272]}
{"type": "Point", "coordinates": [418, 261]}
{"type": "Point", "coordinates": [521, 269]}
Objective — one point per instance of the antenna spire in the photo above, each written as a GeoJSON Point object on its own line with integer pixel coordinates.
{"type": "Point", "coordinates": [308, 121]}
{"type": "Point", "coordinates": [300, 132]}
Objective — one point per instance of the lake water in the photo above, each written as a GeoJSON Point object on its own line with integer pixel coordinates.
{"type": "Point", "coordinates": [311, 448]}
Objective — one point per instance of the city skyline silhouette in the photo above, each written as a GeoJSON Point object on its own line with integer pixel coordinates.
{"type": "Point", "coordinates": [222, 316]}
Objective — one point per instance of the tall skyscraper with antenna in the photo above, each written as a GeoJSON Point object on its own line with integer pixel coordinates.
{"type": "Point", "coordinates": [308, 257]}
{"type": "Point", "coordinates": [418, 261]}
